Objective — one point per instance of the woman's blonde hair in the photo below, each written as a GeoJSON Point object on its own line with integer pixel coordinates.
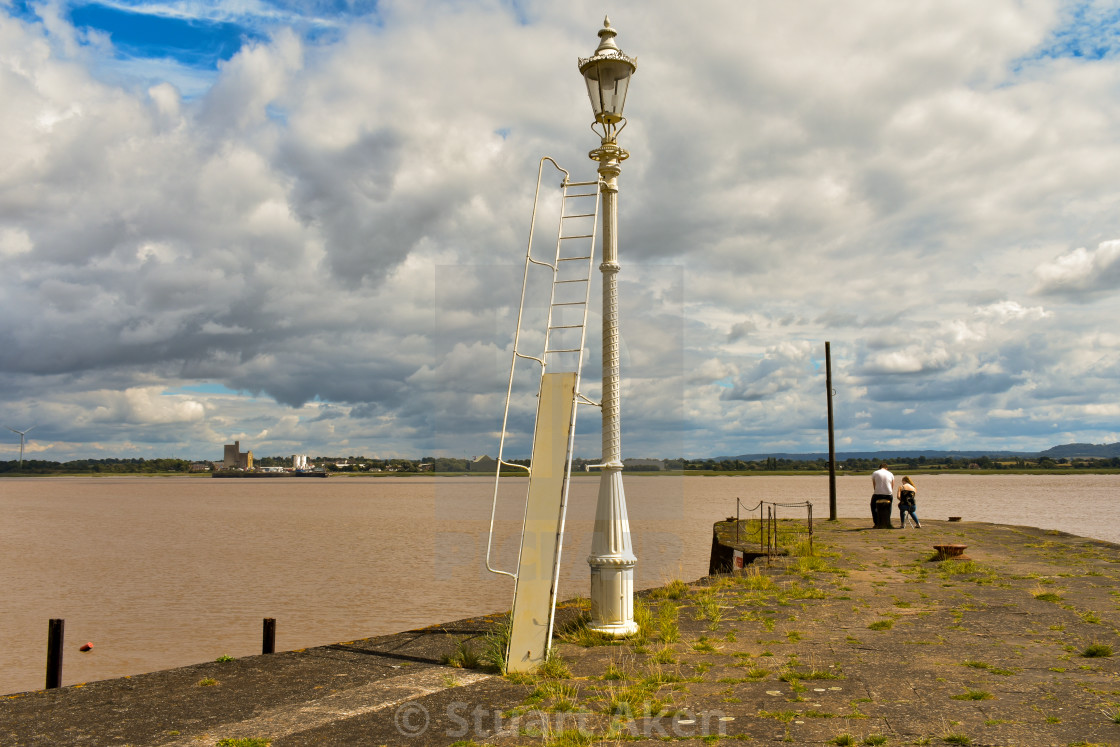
{"type": "Point", "coordinates": [907, 479]}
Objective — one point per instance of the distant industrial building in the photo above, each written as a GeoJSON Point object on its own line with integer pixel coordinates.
{"type": "Point", "coordinates": [235, 458]}
{"type": "Point", "coordinates": [299, 461]}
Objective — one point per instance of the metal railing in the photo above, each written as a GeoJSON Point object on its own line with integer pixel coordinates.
{"type": "Point", "coordinates": [774, 533]}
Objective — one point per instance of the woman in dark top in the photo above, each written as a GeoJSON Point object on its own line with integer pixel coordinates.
{"type": "Point", "coordinates": [907, 503]}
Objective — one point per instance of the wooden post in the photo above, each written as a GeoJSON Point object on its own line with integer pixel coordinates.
{"type": "Point", "coordinates": [831, 435]}
{"type": "Point", "coordinates": [269, 644]}
{"type": "Point", "coordinates": [55, 630]}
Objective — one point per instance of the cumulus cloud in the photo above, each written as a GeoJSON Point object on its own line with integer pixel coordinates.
{"type": "Point", "coordinates": [1081, 273]}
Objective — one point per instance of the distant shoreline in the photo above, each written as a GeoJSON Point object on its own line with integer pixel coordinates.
{"type": "Point", "coordinates": [636, 473]}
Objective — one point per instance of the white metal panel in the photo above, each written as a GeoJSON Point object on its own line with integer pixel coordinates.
{"type": "Point", "coordinates": [540, 549]}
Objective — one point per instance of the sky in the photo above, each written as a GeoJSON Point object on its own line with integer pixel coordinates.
{"type": "Point", "coordinates": [302, 225]}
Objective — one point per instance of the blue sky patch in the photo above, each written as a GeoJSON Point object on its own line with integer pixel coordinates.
{"type": "Point", "coordinates": [1086, 33]}
{"type": "Point", "coordinates": [193, 42]}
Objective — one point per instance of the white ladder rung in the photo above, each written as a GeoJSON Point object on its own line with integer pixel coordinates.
{"type": "Point", "coordinates": [571, 259]}
{"type": "Point", "coordinates": [579, 215]}
{"type": "Point", "coordinates": [581, 236]}
{"type": "Point", "coordinates": [580, 280]}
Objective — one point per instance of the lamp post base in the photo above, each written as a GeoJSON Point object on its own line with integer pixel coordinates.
{"type": "Point", "coordinates": [612, 560]}
{"type": "Point", "coordinates": [612, 599]}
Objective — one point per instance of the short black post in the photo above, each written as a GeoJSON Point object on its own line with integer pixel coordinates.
{"type": "Point", "coordinates": [269, 645]}
{"type": "Point", "coordinates": [54, 653]}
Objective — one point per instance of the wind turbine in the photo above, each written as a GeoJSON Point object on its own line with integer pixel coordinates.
{"type": "Point", "coordinates": [22, 435]}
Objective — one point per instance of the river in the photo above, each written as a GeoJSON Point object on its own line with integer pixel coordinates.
{"type": "Point", "coordinates": [160, 572]}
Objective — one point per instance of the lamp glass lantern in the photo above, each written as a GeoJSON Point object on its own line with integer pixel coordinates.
{"type": "Point", "coordinates": [607, 76]}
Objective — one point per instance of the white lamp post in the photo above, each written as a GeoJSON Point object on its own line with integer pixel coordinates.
{"type": "Point", "coordinates": [612, 560]}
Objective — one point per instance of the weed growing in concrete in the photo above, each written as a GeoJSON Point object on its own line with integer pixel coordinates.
{"type": "Point", "coordinates": [571, 738]}
{"type": "Point", "coordinates": [754, 580]}
{"type": "Point", "coordinates": [245, 742]}
{"type": "Point", "coordinates": [463, 657]}
{"type": "Point", "coordinates": [667, 625]}
{"type": "Point", "coordinates": [664, 655]}
{"type": "Point", "coordinates": [1045, 596]}
{"type": "Point", "coordinates": [881, 625]}
{"type": "Point", "coordinates": [613, 672]}
{"type": "Point", "coordinates": [874, 739]}
{"type": "Point", "coordinates": [1112, 715]}
{"type": "Point", "coordinates": [633, 702]}
{"type": "Point", "coordinates": [956, 738]}
{"type": "Point", "coordinates": [224, 658]}
{"type": "Point", "coordinates": [494, 647]}
{"type": "Point", "coordinates": [1097, 650]}
{"type": "Point", "coordinates": [844, 740]}
{"type": "Point", "coordinates": [553, 667]}
{"type": "Point", "coordinates": [643, 616]}
{"type": "Point", "coordinates": [208, 682]}
{"type": "Point", "coordinates": [989, 668]}
{"type": "Point", "coordinates": [675, 589]}
{"type": "Point", "coordinates": [704, 646]}
{"type": "Point", "coordinates": [974, 695]}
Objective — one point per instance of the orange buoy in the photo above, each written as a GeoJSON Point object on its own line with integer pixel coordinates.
{"type": "Point", "coordinates": [87, 646]}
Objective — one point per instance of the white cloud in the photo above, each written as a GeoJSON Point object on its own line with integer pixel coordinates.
{"type": "Point", "coordinates": [1081, 271]}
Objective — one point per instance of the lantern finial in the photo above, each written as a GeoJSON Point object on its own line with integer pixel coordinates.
{"type": "Point", "coordinates": [606, 38]}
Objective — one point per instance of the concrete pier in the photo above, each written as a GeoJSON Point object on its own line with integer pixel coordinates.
{"type": "Point", "coordinates": [869, 637]}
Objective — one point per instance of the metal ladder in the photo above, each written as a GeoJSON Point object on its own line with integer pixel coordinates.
{"type": "Point", "coordinates": [560, 364]}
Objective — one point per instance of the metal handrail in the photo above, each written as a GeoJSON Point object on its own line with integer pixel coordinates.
{"type": "Point", "coordinates": [513, 363]}
{"type": "Point", "coordinates": [542, 361]}
{"type": "Point", "coordinates": [768, 523]}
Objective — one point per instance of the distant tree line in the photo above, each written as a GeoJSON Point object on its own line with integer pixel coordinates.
{"type": "Point", "coordinates": [773, 464]}
{"type": "Point", "coordinates": [108, 466]}
{"type": "Point", "coordinates": [451, 464]}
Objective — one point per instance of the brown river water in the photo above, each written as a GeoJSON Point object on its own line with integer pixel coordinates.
{"type": "Point", "coordinates": [162, 572]}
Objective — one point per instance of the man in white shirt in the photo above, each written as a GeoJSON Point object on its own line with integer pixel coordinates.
{"type": "Point", "coordinates": [882, 493]}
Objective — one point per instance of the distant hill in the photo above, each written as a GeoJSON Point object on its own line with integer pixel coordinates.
{"type": "Point", "coordinates": [1054, 452]}
{"type": "Point", "coordinates": [1082, 450]}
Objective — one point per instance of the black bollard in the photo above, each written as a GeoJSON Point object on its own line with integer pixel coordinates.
{"type": "Point", "coordinates": [269, 645]}
{"type": "Point", "coordinates": [54, 653]}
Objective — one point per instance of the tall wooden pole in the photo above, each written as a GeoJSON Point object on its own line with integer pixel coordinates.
{"type": "Point", "coordinates": [831, 435]}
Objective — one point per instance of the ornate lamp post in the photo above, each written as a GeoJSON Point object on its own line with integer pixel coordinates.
{"type": "Point", "coordinates": [612, 560]}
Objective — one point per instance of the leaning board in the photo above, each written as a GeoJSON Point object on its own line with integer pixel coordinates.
{"type": "Point", "coordinates": [534, 597]}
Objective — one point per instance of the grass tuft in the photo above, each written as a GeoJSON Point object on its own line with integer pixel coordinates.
{"type": "Point", "coordinates": [974, 695]}
{"type": "Point", "coordinates": [675, 589]}
{"type": "Point", "coordinates": [495, 646]}
{"type": "Point", "coordinates": [463, 657]}
{"type": "Point", "coordinates": [553, 667]}
{"type": "Point", "coordinates": [1097, 650]}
